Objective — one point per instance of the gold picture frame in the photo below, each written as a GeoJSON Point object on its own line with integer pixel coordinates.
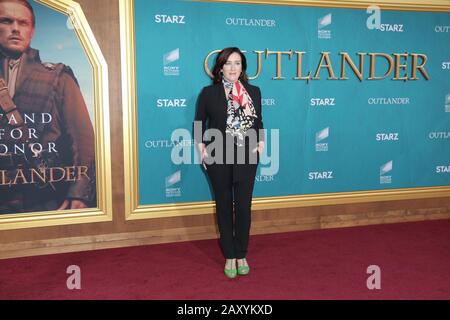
{"type": "Point", "coordinates": [134, 211]}
{"type": "Point", "coordinates": [103, 211]}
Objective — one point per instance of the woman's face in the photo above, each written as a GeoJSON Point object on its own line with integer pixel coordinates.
{"type": "Point", "coordinates": [232, 68]}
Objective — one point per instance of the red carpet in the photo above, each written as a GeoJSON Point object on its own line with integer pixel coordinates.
{"type": "Point", "coordinates": [321, 264]}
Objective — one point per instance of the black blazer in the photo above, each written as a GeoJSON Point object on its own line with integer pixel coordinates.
{"type": "Point", "coordinates": [212, 107]}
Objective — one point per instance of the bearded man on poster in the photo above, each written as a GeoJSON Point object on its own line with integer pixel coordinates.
{"type": "Point", "coordinates": [47, 145]}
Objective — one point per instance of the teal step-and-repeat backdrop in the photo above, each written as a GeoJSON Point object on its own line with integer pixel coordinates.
{"type": "Point", "coordinates": [324, 133]}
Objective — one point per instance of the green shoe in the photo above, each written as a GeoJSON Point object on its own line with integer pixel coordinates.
{"type": "Point", "coordinates": [230, 273]}
{"type": "Point", "coordinates": [243, 270]}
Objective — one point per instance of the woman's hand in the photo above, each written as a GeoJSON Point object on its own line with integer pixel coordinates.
{"type": "Point", "coordinates": [203, 153]}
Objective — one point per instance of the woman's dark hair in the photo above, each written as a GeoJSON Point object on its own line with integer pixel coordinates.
{"type": "Point", "coordinates": [222, 58]}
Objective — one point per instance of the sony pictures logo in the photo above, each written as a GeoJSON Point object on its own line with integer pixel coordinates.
{"type": "Point", "coordinates": [384, 169]}
{"type": "Point", "coordinates": [169, 59]}
{"type": "Point", "coordinates": [171, 180]}
{"type": "Point", "coordinates": [323, 22]}
{"type": "Point", "coordinates": [320, 137]}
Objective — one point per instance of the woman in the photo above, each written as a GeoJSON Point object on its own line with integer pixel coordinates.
{"type": "Point", "coordinates": [233, 107]}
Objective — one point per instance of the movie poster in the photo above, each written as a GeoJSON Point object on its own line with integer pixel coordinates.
{"type": "Point", "coordinates": [47, 139]}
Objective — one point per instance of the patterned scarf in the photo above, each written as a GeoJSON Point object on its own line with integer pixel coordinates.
{"type": "Point", "coordinates": [241, 113]}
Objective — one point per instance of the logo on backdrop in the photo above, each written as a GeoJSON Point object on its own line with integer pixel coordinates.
{"type": "Point", "coordinates": [325, 62]}
{"type": "Point", "coordinates": [244, 22]}
{"type": "Point", "coordinates": [165, 143]}
{"type": "Point", "coordinates": [387, 136]}
{"type": "Point", "coordinates": [323, 22]}
{"type": "Point", "coordinates": [386, 27]}
{"type": "Point", "coordinates": [442, 169]}
{"type": "Point", "coordinates": [171, 103]}
{"type": "Point", "coordinates": [384, 170]}
{"type": "Point", "coordinates": [171, 190]}
{"type": "Point", "coordinates": [439, 135]}
{"type": "Point", "coordinates": [268, 102]}
{"type": "Point", "coordinates": [388, 101]}
{"type": "Point", "coordinates": [445, 29]}
{"type": "Point", "coordinates": [174, 19]}
{"type": "Point", "coordinates": [446, 65]}
{"type": "Point", "coordinates": [169, 62]}
{"type": "Point", "coordinates": [447, 103]}
{"type": "Point", "coordinates": [320, 136]}
{"type": "Point", "coordinates": [264, 178]}
{"type": "Point", "coordinates": [324, 175]}
{"type": "Point", "coordinates": [322, 102]}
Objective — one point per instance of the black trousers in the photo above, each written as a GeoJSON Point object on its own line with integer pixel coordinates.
{"type": "Point", "coordinates": [233, 188]}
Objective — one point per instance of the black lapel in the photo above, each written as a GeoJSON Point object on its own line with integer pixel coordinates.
{"type": "Point", "coordinates": [221, 99]}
